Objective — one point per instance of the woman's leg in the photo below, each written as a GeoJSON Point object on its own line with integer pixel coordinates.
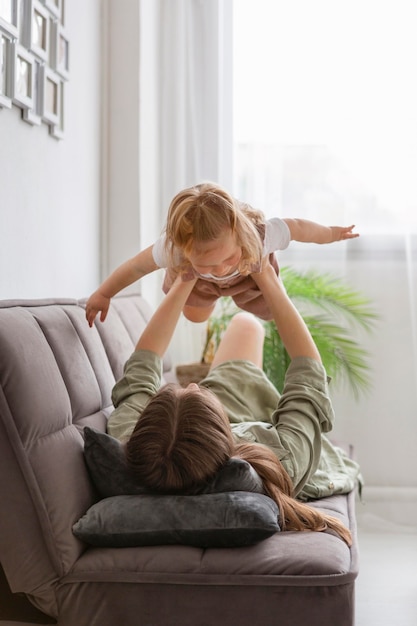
{"type": "Point", "coordinates": [243, 339]}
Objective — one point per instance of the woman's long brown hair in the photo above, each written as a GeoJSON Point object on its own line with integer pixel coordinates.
{"type": "Point", "coordinates": [294, 515]}
{"type": "Point", "coordinates": [181, 440]}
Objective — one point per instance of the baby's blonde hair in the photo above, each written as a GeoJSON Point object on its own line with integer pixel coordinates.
{"type": "Point", "coordinates": [203, 213]}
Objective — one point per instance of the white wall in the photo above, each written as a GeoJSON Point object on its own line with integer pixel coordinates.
{"type": "Point", "coordinates": [49, 189]}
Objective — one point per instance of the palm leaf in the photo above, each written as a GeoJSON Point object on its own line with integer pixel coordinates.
{"type": "Point", "coordinates": [331, 311]}
{"type": "Point", "coordinates": [331, 294]}
{"type": "Point", "coordinates": [344, 359]}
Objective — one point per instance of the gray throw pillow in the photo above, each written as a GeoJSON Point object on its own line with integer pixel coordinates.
{"type": "Point", "coordinates": [229, 510]}
{"type": "Point", "coordinates": [105, 459]}
{"type": "Point", "coordinates": [214, 520]}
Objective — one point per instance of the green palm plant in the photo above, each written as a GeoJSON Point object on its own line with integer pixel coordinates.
{"type": "Point", "coordinates": [331, 310]}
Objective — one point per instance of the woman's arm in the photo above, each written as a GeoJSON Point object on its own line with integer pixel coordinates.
{"type": "Point", "coordinates": [142, 372]}
{"type": "Point", "coordinates": [291, 327]}
{"type": "Point", "coordinates": [311, 232]}
{"type": "Point", "coordinates": [304, 410]}
{"type": "Point", "coordinates": [160, 328]}
{"type": "Point", "coordinates": [129, 272]}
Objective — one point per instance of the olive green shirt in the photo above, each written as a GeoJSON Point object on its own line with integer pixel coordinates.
{"type": "Point", "coordinates": [291, 424]}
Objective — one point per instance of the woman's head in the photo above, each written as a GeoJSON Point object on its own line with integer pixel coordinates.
{"type": "Point", "coordinates": [206, 223]}
{"type": "Point", "coordinates": [182, 439]}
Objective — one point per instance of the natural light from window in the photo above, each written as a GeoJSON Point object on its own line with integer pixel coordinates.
{"type": "Point", "coordinates": [325, 110]}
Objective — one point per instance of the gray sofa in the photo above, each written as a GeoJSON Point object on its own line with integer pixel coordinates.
{"type": "Point", "coordinates": [56, 376]}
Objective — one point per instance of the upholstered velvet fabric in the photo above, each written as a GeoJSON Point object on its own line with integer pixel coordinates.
{"type": "Point", "coordinates": [105, 459]}
{"type": "Point", "coordinates": [223, 514]}
{"type": "Point", "coordinates": [214, 520]}
{"type": "Point", "coordinates": [106, 463]}
{"type": "Point", "coordinates": [56, 376]}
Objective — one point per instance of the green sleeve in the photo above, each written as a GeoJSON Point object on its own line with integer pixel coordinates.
{"type": "Point", "coordinates": [294, 430]}
{"type": "Point", "coordinates": [304, 412]}
{"type": "Point", "coordinates": [140, 382]}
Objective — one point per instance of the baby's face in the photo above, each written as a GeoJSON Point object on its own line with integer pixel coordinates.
{"type": "Point", "coordinates": [218, 257]}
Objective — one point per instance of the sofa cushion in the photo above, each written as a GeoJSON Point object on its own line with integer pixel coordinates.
{"type": "Point", "coordinates": [214, 520]}
{"type": "Point", "coordinates": [105, 459]}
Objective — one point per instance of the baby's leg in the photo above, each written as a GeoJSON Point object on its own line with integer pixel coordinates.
{"type": "Point", "coordinates": [198, 313]}
{"type": "Point", "coordinates": [243, 339]}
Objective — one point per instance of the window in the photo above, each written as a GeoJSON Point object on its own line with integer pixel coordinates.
{"type": "Point", "coordinates": [325, 101]}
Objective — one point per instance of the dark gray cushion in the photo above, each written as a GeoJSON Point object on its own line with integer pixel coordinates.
{"type": "Point", "coordinates": [105, 459]}
{"type": "Point", "coordinates": [229, 510]}
{"type": "Point", "coordinates": [214, 520]}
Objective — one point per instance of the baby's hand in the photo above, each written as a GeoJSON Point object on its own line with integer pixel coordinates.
{"type": "Point", "coordinates": [96, 303]}
{"type": "Point", "coordinates": [340, 233]}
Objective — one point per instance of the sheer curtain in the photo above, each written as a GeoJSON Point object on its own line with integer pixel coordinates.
{"type": "Point", "coordinates": [325, 128]}
{"type": "Point", "coordinates": [194, 103]}
{"type": "Point", "coordinates": [186, 117]}
{"type": "Point", "coordinates": [185, 110]}
{"type": "Point", "coordinates": [325, 102]}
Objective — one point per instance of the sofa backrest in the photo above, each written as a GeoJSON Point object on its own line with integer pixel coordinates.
{"type": "Point", "coordinates": [56, 376]}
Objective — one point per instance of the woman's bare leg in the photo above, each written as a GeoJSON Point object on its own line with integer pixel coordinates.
{"type": "Point", "coordinates": [243, 339]}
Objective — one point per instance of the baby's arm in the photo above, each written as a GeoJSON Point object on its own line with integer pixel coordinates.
{"type": "Point", "coordinates": [311, 232]}
{"type": "Point", "coordinates": [126, 274]}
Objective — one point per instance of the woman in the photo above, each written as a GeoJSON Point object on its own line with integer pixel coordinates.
{"type": "Point", "coordinates": [177, 439]}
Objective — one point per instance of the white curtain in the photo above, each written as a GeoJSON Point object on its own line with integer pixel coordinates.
{"type": "Point", "coordinates": [192, 107]}
{"type": "Point", "coordinates": [325, 109]}
{"type": "Point", "coordinates": [326, 129]}
{"type": "Point", "coordinates": [186, 116]}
